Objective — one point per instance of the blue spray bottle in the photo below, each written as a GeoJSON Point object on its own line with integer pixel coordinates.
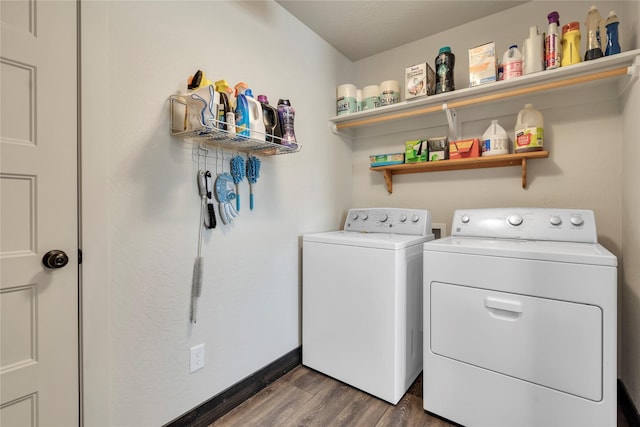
{"type": "Point", "coordinates": [613, 46]}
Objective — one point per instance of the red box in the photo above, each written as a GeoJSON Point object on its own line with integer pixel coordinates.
{"type": "Point", "coordinates": [464, 148]}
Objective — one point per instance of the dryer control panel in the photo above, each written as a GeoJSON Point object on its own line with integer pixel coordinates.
{"type": "Point", "coordinates": [389, 220]}
{"type": "Point", "coordinates": [562, 225]}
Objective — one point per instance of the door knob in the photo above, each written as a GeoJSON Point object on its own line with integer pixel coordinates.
{"type": "Point", "coordinates": [55, 259]}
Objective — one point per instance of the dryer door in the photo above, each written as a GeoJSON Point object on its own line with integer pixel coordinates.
{"type": "Point", "coordinates": [552, 343]}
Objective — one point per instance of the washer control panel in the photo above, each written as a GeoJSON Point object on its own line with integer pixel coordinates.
{"type": "Point", "coordinates": [564, 225]}
{"type": "Point", "coordinates": [389, 220]}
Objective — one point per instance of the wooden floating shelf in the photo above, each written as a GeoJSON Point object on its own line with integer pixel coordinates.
{"type": "Point", "coordinates": [518, 159]}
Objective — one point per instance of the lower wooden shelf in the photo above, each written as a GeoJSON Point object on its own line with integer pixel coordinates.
{"type": "Point", "coordinates": [518, 159]}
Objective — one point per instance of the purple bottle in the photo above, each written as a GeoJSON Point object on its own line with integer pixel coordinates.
{"type": "Point", "coordinates": [286, 114]}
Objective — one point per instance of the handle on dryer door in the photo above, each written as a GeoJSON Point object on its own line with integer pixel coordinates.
{"type": "Point", "coordinates": [503, 308]}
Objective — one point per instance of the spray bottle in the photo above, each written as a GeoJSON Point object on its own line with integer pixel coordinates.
{"type": "Point", "coordinates": [552, 46]}
{"type": "Point", "coordinates": [593, 23]}
{"type": "Point", "coordinates": [613, 46]}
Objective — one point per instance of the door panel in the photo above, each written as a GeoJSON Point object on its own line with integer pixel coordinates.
{"type": "Point", "coordinates": [38, 207]}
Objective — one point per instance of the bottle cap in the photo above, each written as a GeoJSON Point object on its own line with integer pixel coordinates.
{"type": "Point", "coordinates": [444, 49]}
{"type": "Point", "coordinates": [284, 102]}
{"type": "Point", "coordinates": [248, 92]}
{"type": "Point", "coordinates": [263, 98]}
{"type": "Point", "coordinates": [513, 46]}
{"type": "Point", "coordinates": [553, 17]}
{"type": "Point", "coordinates": [533, 31]}
{"type": "Point", "coordinates": [571, 26]}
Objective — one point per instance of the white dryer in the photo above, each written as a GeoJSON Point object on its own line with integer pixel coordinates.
{"type": "Point", "coordinates": [520, 320]}
{"type": "Point", "coordinates": [362, 300]}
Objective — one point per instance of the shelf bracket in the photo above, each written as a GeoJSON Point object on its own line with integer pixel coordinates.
{"type": "Point", "coordinates": [452, 118]}
{"type": "Point", "coordinates": [388, 180]}
{"type": "Point", "coordinates": [632, 71]}
{"type": "Point", "coordinates": [524, 173]}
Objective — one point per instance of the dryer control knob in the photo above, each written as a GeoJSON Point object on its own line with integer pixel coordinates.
{"type": "Point", "coordinates": [383, 217]}
{"type": "Point", "coordinates": [365, 217]}
{"type": "Point", "coordinates": [403, 218]}
{"type": "Point", "coordinates": [415, 218]}
{"type": "Point", "coordinates": [577, 220]}
{"type": "Point", "coordinates": [515, 220]}
{"type": "Point", "coordinates": [354, 216]}
{"type": "Point", "coordinates": [555, 220]}
{"type": "Point", "coordinates": [465, 219]}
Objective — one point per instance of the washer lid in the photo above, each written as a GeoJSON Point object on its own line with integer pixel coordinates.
{"type": "Point", "coordinates": [578, 253]}
{"type": "Point", "coordinates": [367, 240]}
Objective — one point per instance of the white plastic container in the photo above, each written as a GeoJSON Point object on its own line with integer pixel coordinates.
{"type": "Point", "coordinates": [533, 60]}
{"type": "Point", "coordinates": [512, 63]}
{"type": "Point", "coordinates": [256, 120]}
{"type": "Point", "coordinates": [346, 99]}
{"type": "Point", "coordinates": [389, 92]}
{"type": "Point", "coordinates": [529, 133]}
{"type": "Point", "coordinates": [495, 140]}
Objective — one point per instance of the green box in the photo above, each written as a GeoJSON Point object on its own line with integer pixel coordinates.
{"type": "Point", "coordinates": [415, 151]}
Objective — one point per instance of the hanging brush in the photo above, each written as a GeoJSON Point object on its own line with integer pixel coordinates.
{"type": "Point", "coordinates": [253, 173]}
{"type": "Point", "coordinates": [237, 172]}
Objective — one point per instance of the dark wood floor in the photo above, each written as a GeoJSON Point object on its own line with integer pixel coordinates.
{"type": "Point", "coordinates": [304, 397]}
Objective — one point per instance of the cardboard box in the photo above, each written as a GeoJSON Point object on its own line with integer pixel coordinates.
{"type": "Point", "coordinates": [464, 149]}
{"type": "Point", "coordinates": [438, 148]}
{"type": "Point", "coordinates": [415, 151]}
{"type": "Point", "coordinates": [386, 159]}
{"type": "Point", "coordinates": [420, 80]}
{"type": "Point", "coordinates": [482, 64]}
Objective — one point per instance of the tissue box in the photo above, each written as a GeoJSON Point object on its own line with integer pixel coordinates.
{"type": "Point", "coordinates": [464, 148]}
{"type": "Point", "coordinates": [386, 159]}
{"type": "Point", "coordinates": [482, 64]}
{"type": "Point", "coordinates": [438, 148]}
{"type": "Point", "coordinates": [420, 80]}
{"type": "Point", "coordinates": [415, 151]}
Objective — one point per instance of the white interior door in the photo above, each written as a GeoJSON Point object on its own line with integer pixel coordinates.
{"type": "Point", "coordinates": [38, 195]}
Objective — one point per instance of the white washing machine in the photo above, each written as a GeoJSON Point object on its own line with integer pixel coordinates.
{"type": "Point", "coordinates": [362, 300]}
{"type": "Point", "coordinates": [520, 320]}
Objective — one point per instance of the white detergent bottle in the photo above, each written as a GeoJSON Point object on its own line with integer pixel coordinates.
{"type": "Point", "coordinates": [529, 133]}
{"type": "Point", "coordinates": [533, 52]}
{"type": "Point", "coordinates": [495, 140]}
{"type": "Point", "coordinates": [256, 120]}
{"type": "Point", "coordinates": [512, 63]}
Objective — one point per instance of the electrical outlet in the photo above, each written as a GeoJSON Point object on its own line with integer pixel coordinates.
{"type": "Point", "coordinates": [197, 358]}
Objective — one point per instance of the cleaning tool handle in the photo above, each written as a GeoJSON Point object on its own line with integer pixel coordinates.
{"type": "Point", "coordinates": [196, 286]}
{"type": "Point", "coordinates": [237, 198]}
{"type": "Point", "coordinates": [212, 216]}
{"type": "Point", "coordinates": [251, 201]}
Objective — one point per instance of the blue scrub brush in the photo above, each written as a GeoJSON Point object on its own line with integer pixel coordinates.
{"type": "Point", "coordinates": [237, 172]}
{"type": "Point", "coordinates": [253, 173]}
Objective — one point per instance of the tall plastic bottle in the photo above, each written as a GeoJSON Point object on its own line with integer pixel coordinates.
{"type": "Point", "coordinates": [495, 140]}
{"type": "Point", "coordinates": [286, 115]}
{"type": "Point", "coordinates": [552, 47]}
{"type": "Point", "coordinates": [271, 122]}
{"type": "Point", "coordinates": [512, 63]}
{"type": "Point", "coordinates": [445, 61]}
{"type": "Point", "coordinates": [593, 24]}
{"type": "Point", "coordinates": [570, 44]}
{"type": "Point", "coordinates": [529, 130]}
{"type": "Point", "coordinates": [223, 87]}
{"type": "Point", "coordinates": [613, 46]}
{"type": "Point", "coordinates": [256, 121]}
{"type": "Point", "coordinates": [533, 46]}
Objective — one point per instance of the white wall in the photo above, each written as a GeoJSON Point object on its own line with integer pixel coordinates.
{"type": "Point", "coordinates": [630, 284]}
{"type": "Point", "coordinates": [141, 207]}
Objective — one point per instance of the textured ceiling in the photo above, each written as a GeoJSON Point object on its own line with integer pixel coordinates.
{"type": "Point", "coordinates": [359, 29]}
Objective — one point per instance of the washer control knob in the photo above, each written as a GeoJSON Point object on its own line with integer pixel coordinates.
{"type": "Point", "coordinates": [354, 216]}
{"type": "Point", "coordinates": [383, 217]}
{"type": "Point", "coordinates": [555, 220]}
{"type": "Point", "coordinates": [415, 218]}
{"type": "Point", "coordinates": [515, 220]}
{"type": "Point", "coordinates": [403, 218]}
{"type": "Point", "coordinates": [577, 220]}
{"type": "Point", "coordinates": [465, 219]}
{"type": "Point", "coordinates": [365, 217]}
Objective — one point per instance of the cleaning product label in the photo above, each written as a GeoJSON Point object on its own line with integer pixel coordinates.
{"type": "Point", "coordinates": [512, 69]}
{"type": "Point", "coordinates": [495, 145]}
{"type": "Point", "coordinates": [389, 97]}
{"type": "Point", "coordinates": [346, 105]}
{"type": "Point", "coordinates": [370, 103]}
{"type": "Point", "coordinates": [529, 138]}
